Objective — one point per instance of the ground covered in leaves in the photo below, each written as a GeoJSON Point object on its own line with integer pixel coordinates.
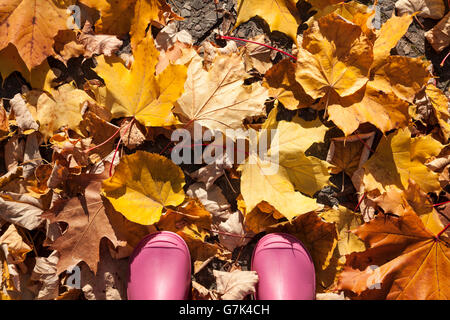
{"type": "Point", "coordinates": [89, 103]}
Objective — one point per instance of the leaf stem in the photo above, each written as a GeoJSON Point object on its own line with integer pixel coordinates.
{"type": "Point", "coordinates": [118, 144]}
{"type": "Point", "coordinates": [261, 44]}
{"type": "Point", "coordinates": [438, 204]}
{"type": "Point", "coordinates": [443, 60]}
{"type": "Point", "coordinates": [104, 142]}
{"type": "Point", "coordinates": [442, 231]}
{"type": "Point", "coordinates": [359, 202]}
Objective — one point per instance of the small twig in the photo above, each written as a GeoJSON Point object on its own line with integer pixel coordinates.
{"type": "Point", "coordinates": [261, 44]}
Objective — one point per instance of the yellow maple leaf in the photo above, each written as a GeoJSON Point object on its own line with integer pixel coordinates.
{"type": "Point", "coordinates": [402, 76]}
{"type": "Point", "coordinates": [385, 111]}
{"type": "Point", "coordinates": [217, 98]}
{"type": "Point", "coordinates": [31, 26]}
{"type": "Point", "coordinates": [142, 185]}
{"type": "Point", "coordinates": [281, 15]}
{"type": "Point", "coordinates": [39, 77]}
{"type": "Point", "coordinates": [280, 80]}
{"type": "Point", "coordinates": [396, 161]}
{"type": "Point", "coordinates": [58, 108]}
{"type": "Point", "coordinates": [387, 37]}
{"type": "Point", "coordinates": [137, 92]}
{"type": "Point", "coordinates": [275, 178]}
{"type": "Point", "coordinates": [328, 62]}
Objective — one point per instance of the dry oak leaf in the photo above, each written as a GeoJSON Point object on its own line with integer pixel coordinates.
{"type": "Point", "coordinates": [398, 201]}
{"type": "Point", "coordinates": [137, 92]}
{"type": "Point", "coordinates": [319, 237]}
{"type": "Point", "coordinates": [40, 77]}
{"type": "Point", "coordinates": [388, 36]}
{"type": "Point", "coordinates": [439, 36]}
{"type": "Point", "coordinates": [385, 111]}
{"type": "Point", "coordinates": [235, 285]}
{"type": "Point", "coordinates": [328, 62]}
{"type": "Point", "coordinates": [31, 26]}
{"type": "Point", "coordinates": [280, 80]}
{"type": "Point", "coordinates": [88, 223]}
{"type": "Point", "coordinates": [217, 98]}
{"type": "Point", "coordinates": [142, 185]}
{"type": "Point", "coordinates": [285, 168]}
{"type": "Point", "coordinates": [402, 76]}
{"type": "Point", "coordinates": [433, 9]}
{"type": "Point", "coordinates": [397, 160]}
{"type": "Point", "coordinates": [412, 263]}
{"type": "Point", "coordinates": [280, 15]}
{"type": "Point", "coordinates": [57, 109]}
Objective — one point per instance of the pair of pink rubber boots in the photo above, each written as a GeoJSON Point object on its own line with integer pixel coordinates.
{"type": "Point", "coordinates": [160, 268]}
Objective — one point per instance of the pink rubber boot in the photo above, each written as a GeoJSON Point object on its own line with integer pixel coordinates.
{"type": "Point", "coordinates": [160, 268]}
{"type": "Point", "coordinates": [284, 267]}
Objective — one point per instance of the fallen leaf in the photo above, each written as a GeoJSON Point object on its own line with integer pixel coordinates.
{"type": "Point", "coordinates": [21, 209]}
{"type": "Point", "coordinates": [235, 285]}
{"type": "Point", "coordinates": [88, 224]}
{"type": "Point", "coordinates": [395, 163]}
{"type": "Point", "coordinates": [280, 15]}
{"type": "Point", "coordinates": [211, 172]}
{"type": "Point", "coordinates": [212, 199]}
{"type": "Point", "coordinates": [433, 9]}
{"type": "Point", "coordinates": [98, 44]}
{"type": "Point", "coordinates": [232, 232]}
{"type": "Point", "coordinates": [410, 263]}
{"type": "Point", "coordinates": [137, 92]}
{"type": "Point", "coordinates": [46, 108]}
{"type": "Point", "coordinates": [217, 98]}
{"type": "Point", "coordinates": [328, 62]}
{"type": "Point", "coordinates": [22, 114]}
{"type": "Point", "coordinates": [142, 185]}
{"type": "Point", "coordinates": [439, 35]}
{"type": "Point", "coordinates": [256, 56]}
{"type": "Point", "coordinates": [280, 80]}
{"type": "Point", "coordinates": [31, 26]}
{"type": "Point", "coordinates": [17, 246]}
{"type": "Point", "coordinates": [44, 271]}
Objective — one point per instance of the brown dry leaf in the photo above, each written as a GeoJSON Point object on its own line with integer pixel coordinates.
{"type": "Point", "coordinates": [188, 220]}
{"type": "Point", "coordinates": [44, 271]}
{"type": "Point", "coordinates": [261, 217]}
{"type": "Point", "coordinates": [31, 26]}
{"type": "Point", "coordinates": [203, 252]}
{"type": "Point", "coordinates": [398, 202]}
{"type": "Point", "coordinates": [328, 62]}
{"type": "Point", "coordinates": [97, 44]}
{"type": "Point", "coordinates": [217, 98]}
{"type": "Point", "coordinates": [132, 136]}
{"type": "Point", "coordinates": [440, 105]}
{"type": "Point", "coordinates": [235, 285]}
{"type": "Point", "coordinates": [433, 9]}
{"type": "Point", "coordinates": [14, 151]}
{"type": "Point", "coordinates": [88, 223]}
{"type": "Point", "coordinates": [21, 209]}
{"type": "Point", "coordinates": [67, 46]}
{"type": "Point", "coordinates": [22, 114]}
{"type": "Point", "coordinates": [349, 153]}
{"type": "Point", "coordinates": [4, 123]}
{"type": "Point", "coordinates": [233, 233]}
{"type": "Point", "coordinates": [109, 282]}
{"type": "Point", "coordinates": [409, 262]}
{"type": "Point", "coordinates": [256, 56]}
{"type": "Point", "coordinates": [439, 36]}
{"type": "Point", "coordinates": [212, 199]}
{"type": "Point", "coordinates": [280, 80]}
{"type": "Point", "coordinates": [212, 171]}
{"type": "Point", "coordinates": [18, 247]}
{"type": "Point", "coordinates": [385, 111]}
{"type": "Point", "coordinates": [179, 53]}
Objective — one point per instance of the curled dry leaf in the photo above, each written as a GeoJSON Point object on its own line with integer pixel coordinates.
{"type": "Point", "coordinates": [434, 9]}
{"type": "Point", "coordinates": [21, 209]}
{"type": "Point", "coordinates": [98, 44]}
{"type": "Point", "coordinates": [22, 114]}
{"type": "Point", "coordinates": [233, 233]}
{"type": "Point", "coordinates": [44, 271]}
{"type": "Point", "coordinates": [439, 36]}
{"type": "Point", "coordinates": [212, 199]}
{"type": "Point", "coordinates": [16, 244]}
{"type": "Point", "coordinates": [235, 285]}
{"type": "Point", "coordinates": [211, 172]}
